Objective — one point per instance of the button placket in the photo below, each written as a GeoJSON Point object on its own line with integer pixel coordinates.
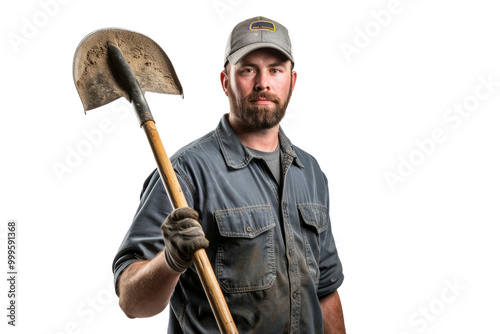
{"type": "Point", "coordinates": [293, 270]}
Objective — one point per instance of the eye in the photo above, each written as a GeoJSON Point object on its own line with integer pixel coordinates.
{"type": "Point", "coordinates": [276, 71]}
{"type": "Point", "coordinates": [247, 70]}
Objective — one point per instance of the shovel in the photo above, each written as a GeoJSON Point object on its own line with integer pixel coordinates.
{"type": "Point", "coordinates": [111, 63]}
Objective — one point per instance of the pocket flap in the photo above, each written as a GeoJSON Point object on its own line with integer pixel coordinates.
{"type": "Point", "coordinates": [314, 215]}
{"type": "Point", "coordinates": [246, 222]}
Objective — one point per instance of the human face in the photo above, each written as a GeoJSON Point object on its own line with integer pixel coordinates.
{"type": "Point", "coordinates": [259, 88]}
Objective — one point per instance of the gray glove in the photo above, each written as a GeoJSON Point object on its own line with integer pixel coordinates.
{"type": "Point", "coordinates": [183, 235]}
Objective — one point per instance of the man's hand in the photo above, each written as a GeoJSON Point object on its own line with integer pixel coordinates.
{"type": "Point", "coordinates": [183, 235]}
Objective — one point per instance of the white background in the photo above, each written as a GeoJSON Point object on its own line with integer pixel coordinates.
{"type": "Point", "coordinates": [359, 115]}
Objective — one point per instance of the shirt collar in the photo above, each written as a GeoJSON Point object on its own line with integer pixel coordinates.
{"type": "Point", "coordinates": [236, 154]}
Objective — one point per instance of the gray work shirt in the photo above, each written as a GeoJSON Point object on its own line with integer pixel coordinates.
{"type": "Point", "coordinates": [271, 247]}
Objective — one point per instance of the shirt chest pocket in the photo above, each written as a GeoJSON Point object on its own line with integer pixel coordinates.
{"type": "Point", "coordinates": [314, 220]}
{"type": "Point", "coordinates": [245, 253]}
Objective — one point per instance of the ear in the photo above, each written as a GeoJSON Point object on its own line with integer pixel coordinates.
{"type": "Point", "coordinates": [224, 80]}
{"type": "Point", "coordinates": [294, 79]}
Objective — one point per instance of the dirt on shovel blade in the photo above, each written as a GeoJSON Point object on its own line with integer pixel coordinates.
{"type": "Point", "coordinates": [92, 73]}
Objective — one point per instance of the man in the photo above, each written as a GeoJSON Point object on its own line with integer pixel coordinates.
{"type": "Point", "coordinates": [260, 209]}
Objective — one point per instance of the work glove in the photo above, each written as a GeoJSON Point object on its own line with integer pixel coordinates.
{"type": "Point", "coordinates": [183, 235]}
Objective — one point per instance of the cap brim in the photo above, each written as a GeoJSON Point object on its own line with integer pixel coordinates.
{"type": "Point", "coordinates": [236, 56]}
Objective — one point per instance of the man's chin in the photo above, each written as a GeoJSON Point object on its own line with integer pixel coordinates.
{"type": "Point", "coordinates": [265, 120]}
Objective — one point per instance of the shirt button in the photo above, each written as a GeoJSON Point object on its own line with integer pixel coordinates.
{"type": "Point", "coordinates": [249, 229]}
{"type": "Point", "coordinates": [295, 295]}
{"type": "Point", "coordinates": [290, 252]}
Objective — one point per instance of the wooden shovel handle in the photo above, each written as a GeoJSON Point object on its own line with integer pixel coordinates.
{"type": "Point", "coordinates": [200, 258]}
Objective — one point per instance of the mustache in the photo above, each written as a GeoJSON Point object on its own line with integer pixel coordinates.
{"type": "Point", "coordinates": [267, 96]}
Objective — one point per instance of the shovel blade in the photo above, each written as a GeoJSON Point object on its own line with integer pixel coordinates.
{"type": "Point", "coordinates": [93, 75]}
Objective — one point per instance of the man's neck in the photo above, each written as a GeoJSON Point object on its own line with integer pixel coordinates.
{"type": "Point", "coordinates": [261, 140]}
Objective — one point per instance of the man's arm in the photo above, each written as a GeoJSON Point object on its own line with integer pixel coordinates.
{"type": "Point", "coordinates": [145, 287]}
{"type": "Point", "coordinates": [333, 317]}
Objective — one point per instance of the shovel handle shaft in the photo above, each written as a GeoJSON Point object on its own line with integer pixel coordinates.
{"type": "Point", "coordinates": [214, 293]}
{"type": "Point", "coordinates": [165, 168]}
{"type": "Point", "coordinates": [200, 258]}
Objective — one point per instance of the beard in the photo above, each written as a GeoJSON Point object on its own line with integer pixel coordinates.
{"type": "Point", "coordinates": [258, 117]}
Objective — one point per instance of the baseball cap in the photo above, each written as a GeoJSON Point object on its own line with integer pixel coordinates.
{"type": "Point", "coordinates": [256, 33]}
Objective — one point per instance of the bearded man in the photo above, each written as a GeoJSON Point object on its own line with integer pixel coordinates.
{"type": "Point", "coordinates": [260, 207]}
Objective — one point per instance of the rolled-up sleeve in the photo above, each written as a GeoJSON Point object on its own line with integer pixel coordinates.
{"type": "Point", "coordinates": [332, 275]}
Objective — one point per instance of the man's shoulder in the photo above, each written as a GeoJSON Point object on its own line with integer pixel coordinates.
{"type": "Point", "coordinates": [196, 152]}
{"type": "Point", "coordinates": [204, 146]}
{"type": "Point", "coordinates": [305, 157]}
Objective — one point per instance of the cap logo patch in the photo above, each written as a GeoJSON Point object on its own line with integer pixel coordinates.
{"type": "Point", "coordinates": [262, 25]}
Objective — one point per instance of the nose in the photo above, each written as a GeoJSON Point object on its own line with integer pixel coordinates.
{"type": "Point", "coordinates": [261, 81]}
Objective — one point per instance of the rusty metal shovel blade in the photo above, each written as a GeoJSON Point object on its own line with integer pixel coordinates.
{"type": "Point", "coordinates": [92, 73]}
